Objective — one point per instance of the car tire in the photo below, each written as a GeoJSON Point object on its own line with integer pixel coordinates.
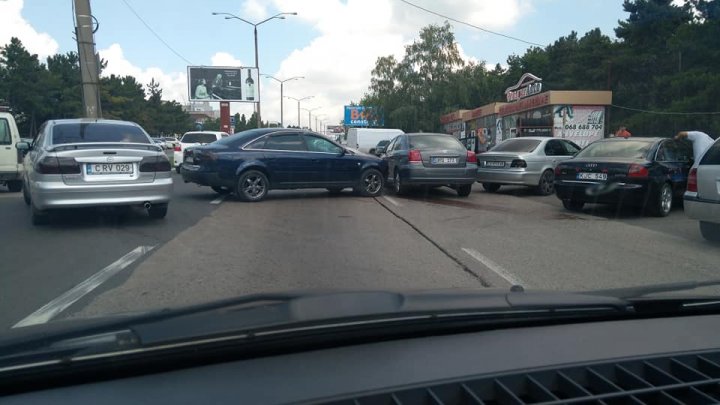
{"type": "Point", "coordinates": [464, 190]}
{"type": "Point", "coordinates": [491, 187]}
{"type": "Point", "coordinates": [546, 186]}
{"type": "Point", "coordinates": [398, 186]}
{"type": "Point", "coordinates": [15, 186]}
{"type": "Point", "coordinates": [37, 216]}
{"type": "Point", "coordinates": [177, 169]}
{"type": "Point", "coordinates": [710, 231]}
{"type": "Point", "coordinates": [573, 205]}
{"type": "Point", "coordinates": [221, 190]}
{"type": "Point", "coordinates": [334, 190]}
{"type": "Point", "coordinates": [252, 186]}
{"type": "Point", "coordinates": [662, 201]}
{"type": "Point", "coordinates": [371, 184]}
{"type": "Point", "coordinates": [26, 196]}
{"type": "Point", "coordinates": [158, 211]}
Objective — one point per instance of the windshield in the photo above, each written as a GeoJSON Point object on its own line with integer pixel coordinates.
{"type": "Point", "coordinates": [360, 157]}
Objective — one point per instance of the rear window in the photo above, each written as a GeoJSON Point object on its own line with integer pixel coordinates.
{"type": "Point", "coordinates": [435, 142]}
{"type": "Point", "coordinates": [198, 137]}
{"type": "Point", "coordinates": [712, 156]}
{"type": "Point", "coordinates": [5, 138]}
{"type": "Point", "coordinates": [616, 149]}
{"type": "Point", "coordinates": [517, 145]}
{"type": "Point", "coordinates": [97, 132]}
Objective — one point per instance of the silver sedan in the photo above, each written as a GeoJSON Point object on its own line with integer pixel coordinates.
{"type": "Point", "coordinates": [526, 161]}
{"type": "Point", "coordinates": [83, 163]}
{"type": "Point", "coordinates": [702, 198]}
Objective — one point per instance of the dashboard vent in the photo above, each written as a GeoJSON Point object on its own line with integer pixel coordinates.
{"type": "Point", "coordinates": [686, 379]}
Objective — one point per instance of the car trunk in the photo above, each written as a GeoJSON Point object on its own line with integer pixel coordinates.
{"type": "Point", "coordinates": [598, 170]}
{"type": "Point", "coordinates": [490, 160]}
{"type": "Point", "coordinates": [708, 181]}
{"type": "Point", "coordinates": [105, 164]}
{"type": "Point", "coordinates": [443, 158]}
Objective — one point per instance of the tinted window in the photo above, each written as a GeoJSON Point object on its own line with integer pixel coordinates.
{"type": "Point", "coordinates": [667, 152]}
{"type": "Point", "coordinates": [554, 148]}
{"type": "Point", "coordinates": [570, 148]}
{"type": "Point", "coordinates": [257, 144]}
{"type": "Point", "coordinates": [285, 142]}
{"type": "Point", "coordinates": [712, 156]}
{"type": "Point", "coordinates": [5, 138]}
{"type": "Point", "coordinates": [198, 137]}
{"type": "Point", "coordinates": [617, 149]}
{"type": "Point", "coordinates": [435, 142]}
{"type": "Point", "coordinates": [517, 145]}
{"type": "Point", "coordinates": [97, 132]}
{"type": "Point", "coordinates": [394, 144]}
{"type": "Point", "coordinates": [315, 144]}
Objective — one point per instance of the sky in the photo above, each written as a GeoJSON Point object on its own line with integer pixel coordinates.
{"type": "Point", "coordinates": [332, 43]}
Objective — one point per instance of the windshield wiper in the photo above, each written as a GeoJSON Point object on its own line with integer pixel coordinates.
{"type": "Point", "coordinates": [642, 291]}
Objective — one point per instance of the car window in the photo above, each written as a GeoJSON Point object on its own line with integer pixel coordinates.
{"type": "Point", "coordinates": [391, 145]}
{"type": "Point", "coordinates": [517, 145]}
{"type": "Point", "coordinates": [617, 149]}
{"type": "Point", "coordinates": [257, 144]}
{"type": "Point", "coordinates": [285, 142]}
{"type": "Point", "coordinates": [667, 152]}
{"type": "Point", "coordinates": [554, 148]}
{"type": "Point", "coordinates": [198, 137]}
{"type": "Point", "coordinates": [317, 144]}
{"type": "Point", "coordinates": [97, 132]}
{"type": "Point", "coordinates": [434, 142]}
{"type": "Point", "coordinates": [5, 136]}
{"type": "Point", "coordinates": [570, 148]}
{"type": "Point", "coordinates": [712, 156]}
{"type": "Point", "coordinates": [684, 151]}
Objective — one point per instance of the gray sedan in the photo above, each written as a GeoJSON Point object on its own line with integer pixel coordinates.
{"type": "Point", "coordinates": [427, 159]}
{"type": "Point", "coordinates": [702, 196]}
{"type": "Point", "coordinates": [83, 163]}
{"type": "Point", "coordinates": [526, 161]}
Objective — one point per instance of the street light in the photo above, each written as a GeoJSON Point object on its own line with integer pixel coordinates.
{"type": "Point", "coordinates": [279, 16]}
{"type": "Point", "coordinates": [298, 101]}
{"type": "Point", "coordinates": [317, 117]}
{"type": "Point", "coordinates": [282, 120]}
{"type": "Point", "coordinates": [309, 119]}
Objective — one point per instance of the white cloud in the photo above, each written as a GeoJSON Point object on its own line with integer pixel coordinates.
{"type": "Point", "coordinates": [254, 10]}
{"type": "Point", "coordinates": [224, 59]}
{"type": "Point", "coordinates": [12, 24]}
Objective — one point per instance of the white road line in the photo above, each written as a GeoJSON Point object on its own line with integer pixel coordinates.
{"type": "Point", "coordinates": [218, 200]}
{"type": "Point", "coordinates": [392, 201]}
{"type": "Point", "coordinates": [10, 195]}
{"type": "Point", "coordinates": [498, 269]}
{"type": "Point", "coordinates": [59, 304]}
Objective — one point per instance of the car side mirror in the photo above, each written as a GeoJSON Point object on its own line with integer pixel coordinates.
{"type": "Point", "coordinates": [22, 146]}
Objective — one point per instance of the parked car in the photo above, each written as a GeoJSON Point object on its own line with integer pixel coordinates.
{"type": "Point", "coordinates": [88, 163]}
{"type": "Point", "coordinates": [702, 197]}
{"type": "Point", "coordinates": [170, 142]}
{"type": "Point", "coordinates": [11, 169]}
{"type": "Point", "coordinates": [379, 149]}
{"type": "Point", "coordinates": [527, 161]}
{"type": "Point", "coordinates": [252, 162]}
{"type": "Point", "coordinates": [159, 142]}
{"type": "Point", "coordinates": [194, 138]}
{"type": "Point", "coordinates": [427, 159]}
{"type": "Point", "coordinates": [645, 172]}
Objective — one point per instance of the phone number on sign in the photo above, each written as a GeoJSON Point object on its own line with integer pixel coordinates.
{"type": "Point", "coordinates": [583, 126]}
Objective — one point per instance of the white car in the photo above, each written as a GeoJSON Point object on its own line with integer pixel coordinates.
{"type": "Point", "coordinates": [702, 196]}
{"type": "Point", "coordinates": [194, 138]}
{"type": "Point", "coordinates": [11, 168]}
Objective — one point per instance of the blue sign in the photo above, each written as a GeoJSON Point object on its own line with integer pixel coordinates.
{"type": "Point", "coordinates": [232, 120]}
{"type": "Point", "coordinates": [362, 116]}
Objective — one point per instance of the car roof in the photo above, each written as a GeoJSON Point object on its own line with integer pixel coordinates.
{"type": "Point", "coordinates": [91, 121]}
{"type": "Point", "coordinates": [633, 138]}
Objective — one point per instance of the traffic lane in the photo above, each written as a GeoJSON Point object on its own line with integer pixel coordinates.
{"type": "Point", "coordinates": [293, 240]}
{"type": "Point", "coordinates": [40, 263]}
{"type": "Point", "coordinates": [543, 246]}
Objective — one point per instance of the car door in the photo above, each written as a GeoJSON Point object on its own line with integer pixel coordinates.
{"type": "Point", "coordinates": [288, 160]}
{"type": "Point", "coordinates": [395, 155]}
{"type": "Point", "coordinates": [36, 150]}
{"type": "Point", "coordinates": [674, 159]}
{"type": "Point", "coordinates": [333, 166]}
{"type": "Point", "coordinates": [555, 151]}
{"type": "Point", "coordinates": [8, 153]}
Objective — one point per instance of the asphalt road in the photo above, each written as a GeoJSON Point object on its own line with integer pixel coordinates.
{"type": "Point", "coordinates": [310, 239]}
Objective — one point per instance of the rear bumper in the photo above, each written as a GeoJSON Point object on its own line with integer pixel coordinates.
{"type": "Point", "coordinates": [421, 175]}
{"type": "Point", "coordinates": [193, 174]}
{"type": "Point", "coordinates": [47, 195]}
{"type": "Point", "coordinates": [701, 209]}
{"type": "Point", "coordinates": [522, 178]}
{"type": "Point", "coordinates": [619, 193]}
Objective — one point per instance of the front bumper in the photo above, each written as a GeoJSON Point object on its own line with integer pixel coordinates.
{"type": "Point", "coordinates": [421, 175]}
{"type": "Point", "coordinates": [519, 177]}
{"type": "Point", "coordinates": [56, 194]}
{"type": "Point", "coordinates": [701, 209]}
{"type": "Point", "coordinates": [590, 192]}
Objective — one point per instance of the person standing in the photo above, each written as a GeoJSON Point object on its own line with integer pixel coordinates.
{"type": "Point", "coordinates": [622, 132]}
{"type": "Point", "coordinates": [700, 142]}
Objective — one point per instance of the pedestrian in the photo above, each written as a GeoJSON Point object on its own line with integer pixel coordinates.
{"type": "Point", "coordinates": [622, 132]}
{"type": "Point", "coordinates": [700, 141]}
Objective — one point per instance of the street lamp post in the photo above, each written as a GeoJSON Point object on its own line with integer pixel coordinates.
{"type": "Point", "coordinates": [309, 119]}
{"type": "Point", "coordinates": [279, 16]}
{"type": "Point", "coordinates": [282, 119]}
{"type": "Point", "coordinates": [298, 102]}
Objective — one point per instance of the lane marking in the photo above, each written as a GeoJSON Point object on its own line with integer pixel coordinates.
{"type": "Point", "coordinates": [10, 195]}
{"type": "Point", "coordinates": [59, 304]}
{"type": "Point", "coordinates": [218, 200]}
{"type": "Point", "coordinates": [498, 269]}
{"type": "Point", "coordinates": [392, 201]}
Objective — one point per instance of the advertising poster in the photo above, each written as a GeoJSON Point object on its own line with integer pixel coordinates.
{"type": "Point", "coordinates": [222, 83]}
{"type": "Point", "coordinates": [363, 116]}
{"type": "Point", "coordinates": [580, 124]}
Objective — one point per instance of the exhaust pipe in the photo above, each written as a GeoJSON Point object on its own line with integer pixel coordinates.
{"type": "Point", "coordinates": [147, 205]}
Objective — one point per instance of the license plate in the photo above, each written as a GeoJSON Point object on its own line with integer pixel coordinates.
{"type": "Point", "coordinates": [444, 160]}
{"type": "Point", "coordinates": [109, 168]}
{"type": "Point", "coordinates": [592, 176]}
{"type": "Point", "coordinates": [189, 159]}
{"type": "Point", "coordinates": [494, 164]}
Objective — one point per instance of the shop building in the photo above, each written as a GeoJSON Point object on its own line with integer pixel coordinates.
{"type": "Point", "coordinates": [481, 127]}
{"type": "Point", "coordinates": [453, 123]}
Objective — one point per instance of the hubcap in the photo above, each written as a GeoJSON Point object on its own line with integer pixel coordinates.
{"type": "Point", "coordinates": [372, 183]}
{"type": "Point", "coordinates": [547, 183]}
{"type": "Point", "coordinates": [253, 186]}
{"type": "Point", "coordinates": [666, 199]}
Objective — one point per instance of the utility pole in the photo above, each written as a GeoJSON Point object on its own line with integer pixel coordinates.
{"type": "Point", "coordinates": [89, 64]}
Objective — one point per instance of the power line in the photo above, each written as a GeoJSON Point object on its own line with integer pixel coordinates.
{"type": "Point", "coordinates": [470, 25]}
{"type": "Point", "coordinates": [666, 112]}
{"type": "Point", "coordinates": [156, 34]}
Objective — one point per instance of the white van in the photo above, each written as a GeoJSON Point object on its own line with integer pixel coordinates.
{"type": "Point", "coordinates": [364, 139]}
{"type": "Point", "coordinates": [11, 167]}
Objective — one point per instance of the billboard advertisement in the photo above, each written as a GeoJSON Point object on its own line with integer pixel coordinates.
{"type": "Point", "coordinates": [580, 124]}
{"type": "Point", "coordinates": [363, 116]}
{"type": "Point", "coordinates": [223, 83]}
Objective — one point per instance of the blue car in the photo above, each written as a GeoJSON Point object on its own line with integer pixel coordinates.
{"type": "Point", "coordinates": [250, 163]}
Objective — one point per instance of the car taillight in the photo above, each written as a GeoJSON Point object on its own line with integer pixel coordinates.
{"type": "Point", "coordinates": [637, 170]}
{"type": "Point", "coordinates": [154, 164]}
{"type": "Point", "coordinates": [471, 157]}
{"type": "Point", "coordinates": [177, 148]}
{"type": "Point", "coordinates": [414, 155]}
{"type": "Point", "coordinates": [558, 171]}
{"type": "Point", "coordinates": [692, 181]}
{"type": "Point", "coordinates": [518, 163]}
{"type": "Point", "coordinates": [57, 165]}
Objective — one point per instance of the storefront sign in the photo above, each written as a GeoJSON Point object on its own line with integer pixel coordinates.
{"type": "Point", "coordinates": [535, 101]}
{"type": "Point", "coordinates": [528, 85]}
{"type": "Point", "coordinates": [580, 124]}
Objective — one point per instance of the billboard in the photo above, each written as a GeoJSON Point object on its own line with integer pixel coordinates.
{"type": "Point", "coordinates": [580, 124]}
{"type": "Point", "coordinates": [223, 83]}
{"type": "Point", "coordinates": [363, 116]}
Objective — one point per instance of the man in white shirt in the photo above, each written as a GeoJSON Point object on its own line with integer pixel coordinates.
{"type": "Point", "coordinates": [700, 141]}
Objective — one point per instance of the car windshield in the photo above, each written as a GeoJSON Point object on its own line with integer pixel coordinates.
{"type": "Point", "coordinates": [517, 145]}
{"type": "Point", "coordinates": [97, 132]}
{"type": "Point", "coordinates": [384, 145]}
{"type": "Point", "coordinates": [620, 149]}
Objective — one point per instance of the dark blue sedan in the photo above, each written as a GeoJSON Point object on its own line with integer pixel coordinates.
{"type": "Point", "coordinates": [251, 163]}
